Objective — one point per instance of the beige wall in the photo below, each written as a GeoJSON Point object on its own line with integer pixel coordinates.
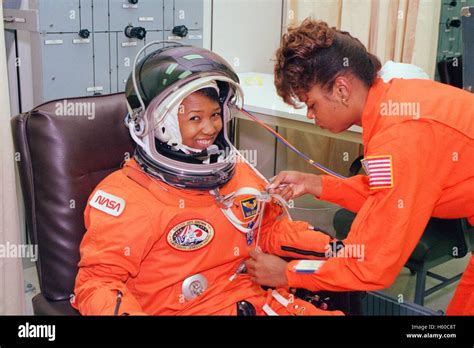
{"type": "Point", "coordinates": [402, 30]}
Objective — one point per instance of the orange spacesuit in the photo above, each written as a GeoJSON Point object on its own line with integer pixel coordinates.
{"type": "Point", "coordinates": [156, 244]}
{"type": "Point", "coordinates": [419, 155]}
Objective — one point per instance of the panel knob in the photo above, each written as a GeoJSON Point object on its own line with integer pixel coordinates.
{"type": "Point", "coordinates": [455, 23]}
{"type": "Point", "coordinates": [135, 32]}
{"type": "Point", "coordinates": [84, 33]}
{"type": "Point", "coordinates": [180, 31]}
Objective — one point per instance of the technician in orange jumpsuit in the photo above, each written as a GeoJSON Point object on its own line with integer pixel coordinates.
{"type": "Point", "coordinates": [418, 138]}
{"type": "Point", "coordinates": [169, 232]}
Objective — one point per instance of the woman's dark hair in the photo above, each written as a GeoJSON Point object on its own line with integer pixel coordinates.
{"type": "Point", "coordinates": [313, 53]}
{"type": "Point", "coordinates": [211, 93]}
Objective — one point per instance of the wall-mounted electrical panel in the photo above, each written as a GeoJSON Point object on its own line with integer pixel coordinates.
{"type": "Point", "coordinates": [87, 47]}
{"type": "Point", "coordinates": [467, 19]}
{"type": "Point", "coordinates": [450, 56]}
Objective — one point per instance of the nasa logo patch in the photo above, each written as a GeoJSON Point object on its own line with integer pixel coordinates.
{"type": "Point", "coordinates": [107, 203]}
{"type": "Point", "coordinates": [190, 235]}
{"type": "Point", "coordinates": [249, 207]}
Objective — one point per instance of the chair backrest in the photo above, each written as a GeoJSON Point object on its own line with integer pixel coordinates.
{"type": "Point", "coordinates": [65, 148]}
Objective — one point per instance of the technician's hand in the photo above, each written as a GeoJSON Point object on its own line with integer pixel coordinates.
{"type": "Point", "coordinates": [267, 269]}
{"type": "Point", "coordinates": [293, 184]}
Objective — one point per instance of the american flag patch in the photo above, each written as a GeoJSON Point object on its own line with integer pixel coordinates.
{"type": "Point", "coordinates": [379, 170]}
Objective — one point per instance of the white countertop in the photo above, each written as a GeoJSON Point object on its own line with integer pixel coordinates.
{"type": "Point", "coordinates": [260, 96]}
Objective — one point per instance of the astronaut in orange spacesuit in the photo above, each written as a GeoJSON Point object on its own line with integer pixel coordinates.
{"type": "Point", "coordinates": [168, 233]}
{"type": "Point", "coordinates": [418, 138]}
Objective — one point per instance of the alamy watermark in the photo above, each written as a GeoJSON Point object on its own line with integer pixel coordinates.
{"type": "Point", "coordinates": [400, 109]}
{"type": "Point", "coordinates": [28, 330]}
{"type": "Point", "coordinates": [81, 109]}
{"type": "Point", "coordinates": [23, 251]}
{"type": "Point", "coordinates": [246, 155]}
{"type": "Point", "coordinates": [339, 250]}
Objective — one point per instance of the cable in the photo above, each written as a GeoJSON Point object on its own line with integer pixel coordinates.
{"type": "Point", "coordinates": [119, 301]}
{"type": "Point", "coordinates": [291, 147]}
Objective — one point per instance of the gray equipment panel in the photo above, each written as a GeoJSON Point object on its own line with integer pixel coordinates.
{"type": "Point", "coordinates": [188, 13]}
{"type": "Point", "coordinates": [87, 51]}
{"type": "Point", "coordinates": [184, 12]}
{"type": "Point", "coordinates": [100, 15]}
{"type": "Point", "coordinates": [102, 82]}
{"type": "Point", "coordinates": [127, 50]}
{"type": "Point", "coordinates": [86, 14]}
{"type": "Point", "coordinates": [67, 70]}
{"type": "Point", "coordinates": [194, 38]}
{"type": "Point", "coordinates": [57, 16]}
{"type": "Point", "coordinates": [146, 13]}
{"type": "Point", "coordinates": [168, 18]}
{"type": "Point", "coordinates": [467, 26]}
{"type": "Point", "coordinates": [113, 37]}
{"type": "Point", "coordinates": [153, 36]}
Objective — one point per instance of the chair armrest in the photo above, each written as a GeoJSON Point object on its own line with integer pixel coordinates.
{"type": "Point", "coordinates": [43, 306]}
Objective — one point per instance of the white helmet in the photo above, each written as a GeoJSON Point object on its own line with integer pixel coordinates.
{"type": "Point", "coordinates": [155, 89]}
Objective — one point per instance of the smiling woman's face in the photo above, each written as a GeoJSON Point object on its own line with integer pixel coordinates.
{"type": "Point", "coordinates": [200, 121]}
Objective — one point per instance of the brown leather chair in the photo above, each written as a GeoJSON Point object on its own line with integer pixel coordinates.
{"type": "Point", "coordinates": [62, 159]}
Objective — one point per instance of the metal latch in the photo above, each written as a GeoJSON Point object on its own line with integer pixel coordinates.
{"type": "Point", "coordinates": [11, 19]}
{"type": "Point", "coordinates": [21, 20]}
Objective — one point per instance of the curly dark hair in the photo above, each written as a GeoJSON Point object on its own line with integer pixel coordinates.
{"type": "Point", "coordinates": [313, 53]}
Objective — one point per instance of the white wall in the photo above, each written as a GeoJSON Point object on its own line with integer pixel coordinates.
{"type": "Point", "coordinates": [11, 275]}
{"type": "Point", "coordinates": [247, 32]}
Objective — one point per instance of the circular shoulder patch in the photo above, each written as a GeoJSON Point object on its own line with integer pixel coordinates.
{"type": "Point", "coordinates": [190, 235]}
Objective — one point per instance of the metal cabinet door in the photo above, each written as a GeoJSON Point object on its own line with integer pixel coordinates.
{"type": "Point", "coordinates": [57, 16]}
{"type": "Point", "coordinates": [168, 15]}
{"type": "Point", "coordinates": [153, 36]}
{"type": "Point", "coordinates": [102, 81]}
{"type": "Point", "coordinates": [127, 50]}
{"type": "Point", "coordinates": [194, 38]}
{"type": "Point", "coordinates": [146, 13]}
{"type": "Point", "coordinates": [67, 66]}
{"type": "Point", "coordinates": [183, 12]}
{"type": "Point", "coordinates": [113, 37]}
{"type": "Point", "coordinates": [467, 25]}
{"type": "Point", "coordinates": [100, 15]}
{"type": "Point", "coordinates": [86, 14]}
{"type": "Point", "coordinates": [189, 13]}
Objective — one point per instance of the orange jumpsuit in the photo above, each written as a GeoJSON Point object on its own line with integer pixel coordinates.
{"type": "Point", "coordinates": [144, 238]}
{"type": "Point", "coordinates": [418, 140]}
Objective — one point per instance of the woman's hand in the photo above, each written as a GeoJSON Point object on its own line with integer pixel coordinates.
{"type": "Point", "coordinates": [266, 269]}
{"type": "Point", "coordinates": [293, 184]}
